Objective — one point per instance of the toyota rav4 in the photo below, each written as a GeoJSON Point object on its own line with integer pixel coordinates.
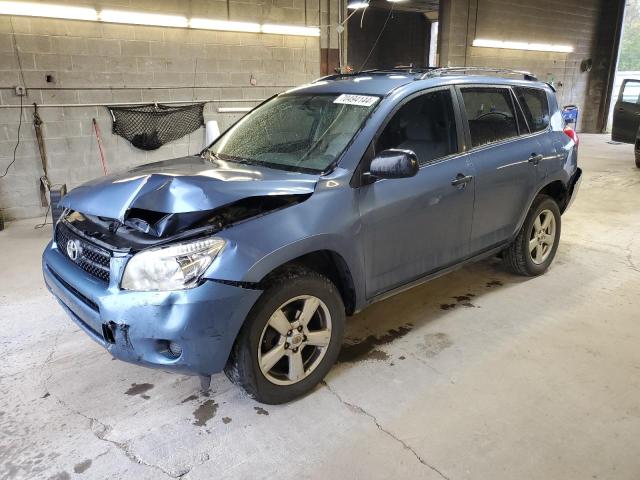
{"type": "Point", "coordinates": [324, 199]}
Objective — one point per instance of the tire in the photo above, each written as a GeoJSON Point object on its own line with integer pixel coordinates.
{"type": "Point", "coordinates": [638, 157]}
{"type": "Point", "coordinates": [518, 257]}
{"type": "Point", "coordinates": [288, 293]}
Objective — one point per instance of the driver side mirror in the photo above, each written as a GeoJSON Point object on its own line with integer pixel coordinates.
{"type": "Point", "coordinates": [393, 163]}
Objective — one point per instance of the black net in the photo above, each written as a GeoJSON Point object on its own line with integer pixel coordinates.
{"type": "Point", "coordinates": [148, 127]}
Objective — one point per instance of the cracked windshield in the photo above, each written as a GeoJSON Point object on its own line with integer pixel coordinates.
{"type": "Point", "coordinates": [296, 132]}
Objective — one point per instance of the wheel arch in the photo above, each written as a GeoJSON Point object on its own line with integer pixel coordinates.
{"type": "Point", "coordinates": [558, 191]}
{"type": "Point", "coordinates": [328, 263]}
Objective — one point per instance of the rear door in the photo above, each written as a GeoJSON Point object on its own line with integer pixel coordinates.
{"type": "Point", "coordinates": [626, 113]}
{"type": "Point", "coordinates": [505, 156]}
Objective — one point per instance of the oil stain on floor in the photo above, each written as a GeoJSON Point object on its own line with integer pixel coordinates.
{"type": "Point", "coordinates": [82, 466]}
{"type": "Point", "coordinates": [205, 412]}
{"type": "Point", "coordinates": [366, 348]}
{"type": "Point", "coordinates": [139, 389]}
{"type": "Point", "coordinates": [463, 300]}
{"type": "Point", "coordinates": [434, 343]}
{"type": "Point", "coordinates": [260, 411]}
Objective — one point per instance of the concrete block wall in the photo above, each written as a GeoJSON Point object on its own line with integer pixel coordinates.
{"type": "Point", "coordinates": [587, 25]}
{"type": "Point", "coordinates": [93, 62]}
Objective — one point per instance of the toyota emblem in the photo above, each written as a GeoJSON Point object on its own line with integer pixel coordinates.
{"type": "Point", "coordinates": [73, 249]}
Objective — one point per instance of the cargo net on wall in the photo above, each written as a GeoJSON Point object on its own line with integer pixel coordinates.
{"type": "Point", "coordinates": [148, 127]}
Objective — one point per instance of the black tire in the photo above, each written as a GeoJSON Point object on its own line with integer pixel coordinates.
{"type": "Point", "coordinates": [638, 157]}
{"type": "Point", "coordinates": [243, 368]}
{"type": "Point", "coordinates": [517, 256]}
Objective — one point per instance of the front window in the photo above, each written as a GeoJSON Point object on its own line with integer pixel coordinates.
{"type": "Point", "coordinates": [425, 125]}
{"type": "Point", "coordinates": [296, 132]}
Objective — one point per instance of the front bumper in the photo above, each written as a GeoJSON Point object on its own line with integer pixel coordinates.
{"type": "Point", "coordinates": [574, 186]}
{"type": "Point", "coordinates": [137, 326]}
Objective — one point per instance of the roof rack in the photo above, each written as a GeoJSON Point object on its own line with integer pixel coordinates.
{"type": "Point", "coordinates": [426, 72]}
{"type": "Point", "coordinates": [452, 70]}
{"type": "Point", "coordinates": [400, 69]}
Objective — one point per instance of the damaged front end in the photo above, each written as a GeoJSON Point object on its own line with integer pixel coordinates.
{"type": "Point", "coordinates": [128, 257]}
{"type": "Point", "coordinates": [141, 228]}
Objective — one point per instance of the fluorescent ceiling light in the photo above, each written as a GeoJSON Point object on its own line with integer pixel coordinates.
{"type": "Point", "coordinates": [47, 10]}
{"type": "Point", "coordinates": [357, 5]}
{"type": "Point", "coordinates": [32, 9]}
{"type": "Point", "coordinates": [209, 24]}
{"type": "Point", "coordinates": [539, 47]}
{"type": "Point", "coordinates": [139, 18]}
{"type": "Point", "coordinates": [291, 30]}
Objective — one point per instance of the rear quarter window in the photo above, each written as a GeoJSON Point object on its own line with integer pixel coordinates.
{"type": "Point", "coordinates": [535, 105]}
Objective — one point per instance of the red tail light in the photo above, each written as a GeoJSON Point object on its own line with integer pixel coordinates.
{"type": "Point", "coordinates": [571, 133]}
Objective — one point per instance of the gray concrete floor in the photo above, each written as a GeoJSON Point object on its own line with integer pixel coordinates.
{"type": "Point", "coordinates": [477, 375]}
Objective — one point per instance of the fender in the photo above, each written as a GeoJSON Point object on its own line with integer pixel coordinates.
{"type": "Point", "coordinates": [329, 220]}
{"type": "Point", "coordinates": [564, 175]}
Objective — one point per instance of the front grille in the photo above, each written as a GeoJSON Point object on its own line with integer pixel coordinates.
{"type": "Point", "coordinates": [91, 258]}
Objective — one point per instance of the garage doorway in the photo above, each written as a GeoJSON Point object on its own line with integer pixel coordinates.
{"type": "Point", "coordinates": [384, 34]}
{"type": "Point", "coordinates": [629, 53]}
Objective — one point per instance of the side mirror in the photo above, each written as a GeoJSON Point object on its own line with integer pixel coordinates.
{"type": "Point", "coordinates": [393, 163]}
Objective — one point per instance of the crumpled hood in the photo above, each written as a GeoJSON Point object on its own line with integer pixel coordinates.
{"type": "Point", "coordinates": [183, 185]}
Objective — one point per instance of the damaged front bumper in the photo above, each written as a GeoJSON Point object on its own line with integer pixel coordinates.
{"type": "Point", "coordinates": [139, 327]}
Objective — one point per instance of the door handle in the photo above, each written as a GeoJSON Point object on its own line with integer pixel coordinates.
{"type": "Point", "coordinates": [535, 158]}
{"type": "Point", "coordinates": [461, 179]}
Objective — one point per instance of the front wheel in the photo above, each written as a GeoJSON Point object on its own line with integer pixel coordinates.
{"type": "Point", "coordinates": [291, 338]}
{"type": "Point", "coordinates": [638, 155]}
{"type": "Point", "coordinates": [534, 248]}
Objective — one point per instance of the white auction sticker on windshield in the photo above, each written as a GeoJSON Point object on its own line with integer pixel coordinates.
{"type": "Point", "coordinates": [359, 100]}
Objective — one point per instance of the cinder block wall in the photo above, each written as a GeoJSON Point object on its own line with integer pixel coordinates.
{"type": "Point", "coordinates": [588, 25]}
{"type": "Point", "coordinates": [103, 63]}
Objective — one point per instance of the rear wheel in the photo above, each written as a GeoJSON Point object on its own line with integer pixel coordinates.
{"type": "Point", "coordinates": [291, 338]}
{"type": "Point", "coordinates": [638, 154]}
{"type": "Point", "coordinates": [535, 247]}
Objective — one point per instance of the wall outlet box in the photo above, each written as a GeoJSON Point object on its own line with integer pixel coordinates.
{"type": "Point", "coordinates": [21, 91]}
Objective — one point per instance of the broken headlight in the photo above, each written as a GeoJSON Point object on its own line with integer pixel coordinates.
{"type": "Point", "coordinates": [174, 267]}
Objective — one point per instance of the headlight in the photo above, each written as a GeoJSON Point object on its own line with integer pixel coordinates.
{"type": "Point", "coordinates": [174, 267]}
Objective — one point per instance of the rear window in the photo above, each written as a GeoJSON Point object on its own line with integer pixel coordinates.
{"type": "Point", "coordinates": [536, 107]}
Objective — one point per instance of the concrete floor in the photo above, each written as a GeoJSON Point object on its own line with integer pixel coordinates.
{"type": "Point", "coordinates": [477, 375]}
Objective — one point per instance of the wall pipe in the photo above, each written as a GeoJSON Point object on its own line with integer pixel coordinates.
{"type": "Point", "coordinates": [125, 104]}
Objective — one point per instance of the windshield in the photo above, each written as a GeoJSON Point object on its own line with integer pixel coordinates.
{"type": "Point", "coordinates": [296, 132]}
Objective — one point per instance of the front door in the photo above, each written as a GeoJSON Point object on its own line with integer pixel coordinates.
{"type": "Point", "coordinates": [417, 225]}
{"type": "Point", "coordinates": [626, 113]}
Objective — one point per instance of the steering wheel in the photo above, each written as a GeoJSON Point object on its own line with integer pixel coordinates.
{"type": "Point", "coordinates": [492, 113]}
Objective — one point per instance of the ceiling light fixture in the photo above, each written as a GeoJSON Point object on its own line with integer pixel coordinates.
{"type": "Point", "coordinates": [46, 10]}
{"type": "Point", "coordinates": [210, 24]}
{"type": "Point", "coordinates": [139, 18]}
{"type": "Point", "coordinates": [538, 47]}
{"type": "Point", "coordinates": [290, 30]}
{"type": "Point", "coordinates": [357, 5]}
{"type": "Point", "coordinates": [32, 9]}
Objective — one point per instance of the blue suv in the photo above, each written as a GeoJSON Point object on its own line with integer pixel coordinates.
{"type": "Point", "coordinates": [322, 200]}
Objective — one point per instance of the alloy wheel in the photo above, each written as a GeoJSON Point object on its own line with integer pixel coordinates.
{"type": "Point", "coordinates": [542, 238]}
{"type": "Point", "coordinates": [295, 340]}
